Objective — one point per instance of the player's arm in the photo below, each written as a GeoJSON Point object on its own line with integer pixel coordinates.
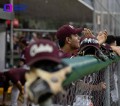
{"type": "Point", "coordinates": [19, 86]}
{"type": "Point", "coordinates": [98, 87]}
{"type": "Point", "coordinates": [87, 86]}
{"type": "Point", "coordinates": [15, 80]}
{"type": "Point", "coordinates": [116, 49]}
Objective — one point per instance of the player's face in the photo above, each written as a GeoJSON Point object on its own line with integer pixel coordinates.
{"type": "Point", "coordinates": [75, 41]}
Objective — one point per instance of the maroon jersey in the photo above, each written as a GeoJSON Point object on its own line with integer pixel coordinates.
{"type": "Point", "coordinates": [16, 74]}
{"type": "Point", "coordinates": [66, 55]}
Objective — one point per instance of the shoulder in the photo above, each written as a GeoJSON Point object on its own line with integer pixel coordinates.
{"type": "Point", "coordinates": [14, 71]}
{"type": "Point", "coordinates": [66, 55]}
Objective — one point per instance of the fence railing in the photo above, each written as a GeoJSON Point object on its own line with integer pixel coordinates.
{"type": "Point", "coordinates": [87, 88]}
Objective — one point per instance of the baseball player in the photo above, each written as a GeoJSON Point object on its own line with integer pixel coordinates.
{"type": "Point", "coordinates": [69, 42]}
{"type": "Point", "coordinates": [47, 71]}
{"type": "Point", "coordinates": [16, 76]}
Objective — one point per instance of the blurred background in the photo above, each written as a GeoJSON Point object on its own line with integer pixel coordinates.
{"type": "Point", "coordinates": [44, 17]}
{"type": "Point", "coordinates": [35, 19]}
{"type": "Point", "coordinates": [50, 14]}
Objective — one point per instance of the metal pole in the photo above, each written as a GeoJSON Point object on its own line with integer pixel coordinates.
{"type": "Point", "coordinates": [108, 5]}
{"type": "Point", "coordinates": [11, 36]}
{"type": "Point", "coordinates": [94, 18]}
{"type": "Point", "coordinates": [118, 73]}
{"type": "Point", "coordinates": [102, 17]}
{"type": "Point", "coordinates": [107, 81]}
{"type": "Point", "coordinates": [113, 21]}
{"type": "Point", "coordinates": [33, 30]}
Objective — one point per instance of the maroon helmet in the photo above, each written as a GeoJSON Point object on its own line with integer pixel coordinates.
{"type": "Point", "coordinates": [89, 45]}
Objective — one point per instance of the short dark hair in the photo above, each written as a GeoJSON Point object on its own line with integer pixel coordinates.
{"type": "Point", "coordinates": [110, 39]}
{"type": "Point", "coordinates": [118, 40]}
{"type": "Point", "coordinates": [61, 43]}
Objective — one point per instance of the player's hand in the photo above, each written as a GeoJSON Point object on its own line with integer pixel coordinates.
{"type": "Point", "coordinates": [116, 49]}
{"type": "Point", "coordinates": [102, 36]}
{"type": "Point", "coordinates": [91, 104]}
{"type": "Point", "coordinates": [102, 85]}
{"type": "Point", "coordinates": [87, 32]}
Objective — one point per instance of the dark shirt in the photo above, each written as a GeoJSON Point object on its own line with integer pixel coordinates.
{"type": "Point", "coordinates": [15, 75]}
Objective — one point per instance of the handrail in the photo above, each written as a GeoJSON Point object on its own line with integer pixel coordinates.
{"type": "Point", "coordinates": [85, 65]}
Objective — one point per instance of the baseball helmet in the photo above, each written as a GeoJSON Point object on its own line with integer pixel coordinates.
{"type": "Point", "coordinates": [89, 45]}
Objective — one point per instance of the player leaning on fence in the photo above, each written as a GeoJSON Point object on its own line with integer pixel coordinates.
{"type": "Point", "coordinates": [69, 42]}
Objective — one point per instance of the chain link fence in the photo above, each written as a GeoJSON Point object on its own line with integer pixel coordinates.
{"type": "Point", "coordinates": [107, 16]}
{"type": "Point", "coordinates": [88, 91]}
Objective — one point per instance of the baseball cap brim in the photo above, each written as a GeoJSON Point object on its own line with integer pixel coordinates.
{"type": "Point", "coordinates": [77, 30]}
{"type": "Point", "coordinates": [44, 58]}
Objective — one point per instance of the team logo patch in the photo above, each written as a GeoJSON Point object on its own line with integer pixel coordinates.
{"type": "Point", "coordinates": [35, 49]}
{"type": "Point", "coordinates": [71, 26]}
{"type": "Point", "coordinates": [89, 41]}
